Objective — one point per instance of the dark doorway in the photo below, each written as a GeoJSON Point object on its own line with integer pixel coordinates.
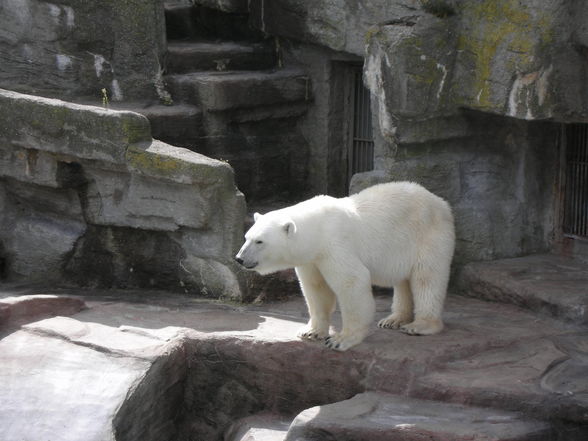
{"type": "Point", "coordinates": [575, 192]}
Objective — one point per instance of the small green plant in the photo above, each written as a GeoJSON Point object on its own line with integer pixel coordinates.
{"type": "Point", "coordinates": [279, 52]}
{"type": "Point", "coordinates": [105, 101]}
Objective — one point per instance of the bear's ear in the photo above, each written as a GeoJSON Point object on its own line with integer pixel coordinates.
{"type": "Point", "coordinates": [289, 227]}
{"type": "Point", "coordinates": [256, 216]}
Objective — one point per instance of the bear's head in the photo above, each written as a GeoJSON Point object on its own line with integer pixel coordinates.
{"type": "Point", "coordinates": [268, 244]}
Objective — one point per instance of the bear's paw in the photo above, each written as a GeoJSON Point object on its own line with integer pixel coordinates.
{"type": "Point", "coordinates": [423, 326]}
{"type": "Point", "coordinates": [309, 333]}
{"type": "Point", "coordinates": [341, 342]}
{"type": "Point", "coordinates": [394, 321]}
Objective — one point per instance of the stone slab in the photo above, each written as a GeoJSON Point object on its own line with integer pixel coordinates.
{"type": "Point", "coordinates": [69, 380]}
{"type": "Point", "coordinates": [177, 124]}
{"type": "Point", "coordinates": [178, 164]}
{"type": "Point", "coordinates": [125, 341]}
{"type": "Point", "coordinates": [373, 416]}
{"type": "Point", "coordinates": [17, 311]}
{"type": "Point", "coordinates": [540, 377]}
{"type": "Point", "coordinates": [185, 57]}
{"type": "Point", "coordinates": [59, 391]}
{"type": "Point", "coordinates": [545, 283]}
{"type": "Point", "coordinates": [71, 129]}
{"type": "Point", "coordinates": [246, 359]}
{"type": "Point", "coordinates": [129, 200]}
{"type": "Point", "coordinates": [217, 91]}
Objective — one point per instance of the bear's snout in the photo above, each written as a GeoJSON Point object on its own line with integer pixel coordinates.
{"type": "Point", "coordinates": [245, 262]}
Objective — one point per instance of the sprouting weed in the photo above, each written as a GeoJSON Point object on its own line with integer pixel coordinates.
{"type": "Point", "coordinates": [105, 98]}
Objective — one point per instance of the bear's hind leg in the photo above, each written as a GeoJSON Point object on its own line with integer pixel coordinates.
{"type": "Point", "coordinates": [429, 287]}
{"type": "Point", "coordinates": [401, 307]}
{"type": "Point", "coordinates": [320, 300]}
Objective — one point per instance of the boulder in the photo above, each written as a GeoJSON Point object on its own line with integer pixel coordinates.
{"type": "Point", "coordinates": [89, 381]}
{"type": "Point", "coordinates": [373, 416]}
{"type": "Point", "coordinates": [88, 196]}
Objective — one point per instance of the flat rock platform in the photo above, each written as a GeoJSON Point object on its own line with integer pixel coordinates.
{"type": "Point", "coordinates": [142, 365]}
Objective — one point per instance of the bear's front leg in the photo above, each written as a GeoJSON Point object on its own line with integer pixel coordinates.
{"type": "Point", "coordinates": [351, 282]}
{"type": "Point", "coordinates": [320, 301]}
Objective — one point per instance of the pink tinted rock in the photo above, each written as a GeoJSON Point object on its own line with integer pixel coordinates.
{"type": "Point", "coordinates": [17, 311]}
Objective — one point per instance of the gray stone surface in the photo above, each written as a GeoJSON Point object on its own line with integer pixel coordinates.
{"type": "Point", "coordinates": [495, 56]}
{"type": "Point", "coordinates": [259, 427]}
{"type": "Point", "coordinates": [337, 24]}
{"type": "Point", "coordinates": [88, 196]}
{"type": "Point", "coordinates": [545, 283]}
{"type": "Point", "coordinates": [185, 56]}
{"type": "Point", "coordinates": [77, 380]}
{"type": "Point", "coordinates": [499, 178]}
{"type": "Point", "coordinates": [225, 5]}
{"type": "Point", "coordinates": [75, 48]}
{"type": "Point", "coordinates": [218, 91]}
{"type": "Point", "coordinates": [437, 71]}
{"type": "Point", "coordinates": [58, 127]}
{"type": "Point", "coordinates": [190, 369]}
{"type": "Point", "coordinates": [373, 416]}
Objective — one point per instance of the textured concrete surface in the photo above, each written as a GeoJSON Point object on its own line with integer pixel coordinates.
{"type": "Point", "coordinates": [374, 416]}
{"type": "Point", "coordinates": [209, 365]}
{"type": "Point", "coordinates": [83, 185]}
{"type": "Point", "coordinates": [546, 283]}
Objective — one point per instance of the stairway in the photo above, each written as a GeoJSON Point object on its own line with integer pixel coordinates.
{"type": "Point", "coordinates": [244, 104]}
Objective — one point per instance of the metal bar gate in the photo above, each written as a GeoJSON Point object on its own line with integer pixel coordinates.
{"type": "Point", "coordinates": [361, 151]}
{"type": "Point", "coordinates": [575, 219]}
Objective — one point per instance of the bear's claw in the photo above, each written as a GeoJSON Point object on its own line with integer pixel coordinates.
{"type": "Point", "coordinates": [310, 335]}
{"type": "Point", "coordinates": [343, 341]}
{"type": "Point", "coordinates": [331, 343]}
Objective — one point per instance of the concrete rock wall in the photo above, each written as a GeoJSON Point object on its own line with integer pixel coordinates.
{"type": "Point", "coordinates": [464, 99]}
{"type": "Point", "coordinates": [72, 48]}
{"type": "Point", "coordinates": [88, 196]}
{"type": "Point", "coordinates": [524, 59]}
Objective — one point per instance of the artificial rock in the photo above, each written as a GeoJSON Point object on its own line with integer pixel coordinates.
{"type": "Point", "coordinates": [90, 197]}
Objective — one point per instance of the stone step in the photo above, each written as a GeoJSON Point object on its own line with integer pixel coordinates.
{"type": "Point", "coordinates": [259, 427]}
{"type": "Point", "coordinates": [238, 6]}
{"type": "Point", "coordinates": [185, 56]}
{"type": "Point", "coordinates": [220, 91]}
{"type": "Point", "coordinates": [546, 283]}
{"type": "Point", "coordinates": [187, 21]}
{"type": "Point", "coordinates": [179, 124]}
{"type": "Point", "coordinates": [373, 416]}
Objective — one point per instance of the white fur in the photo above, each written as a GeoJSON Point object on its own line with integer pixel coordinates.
{"type": "Point", "coordinates": [392, 235]}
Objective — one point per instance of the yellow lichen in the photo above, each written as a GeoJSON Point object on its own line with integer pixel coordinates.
{"type": "Point", "coordinates": [505, 26]}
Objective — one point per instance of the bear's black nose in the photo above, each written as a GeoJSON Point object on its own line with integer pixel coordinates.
{"type": "Point", "coordinates": [239, 260]}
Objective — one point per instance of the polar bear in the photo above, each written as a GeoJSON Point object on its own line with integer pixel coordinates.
{"type": "Point", "coordinates": [396, 234]}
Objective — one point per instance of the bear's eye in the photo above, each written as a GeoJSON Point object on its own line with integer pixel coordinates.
{"type": "Point", "coordinates": [259, 242]}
